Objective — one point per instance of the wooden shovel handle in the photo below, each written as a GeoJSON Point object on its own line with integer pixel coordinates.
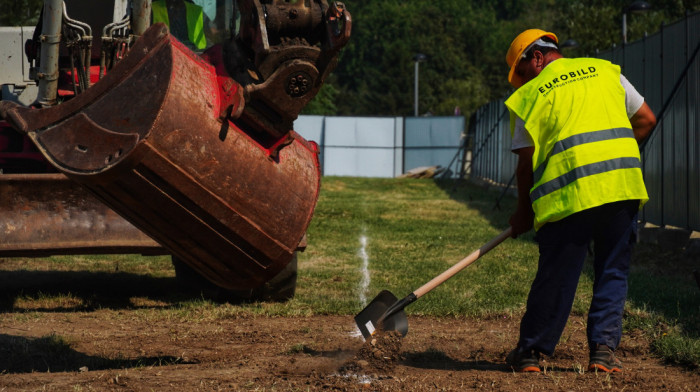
{"type": "Point", "coordinates": [440, 279]}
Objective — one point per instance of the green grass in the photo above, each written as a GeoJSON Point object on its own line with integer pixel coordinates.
{"type": "Point", "coordinates": [414, 230]}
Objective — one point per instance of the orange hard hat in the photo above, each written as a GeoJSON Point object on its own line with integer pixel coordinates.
{"type": "Point", "coordinates": [518, 46]}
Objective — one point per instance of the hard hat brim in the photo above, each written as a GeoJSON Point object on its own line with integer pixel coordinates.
{"type": "Point", "coordinates": [513, 78]}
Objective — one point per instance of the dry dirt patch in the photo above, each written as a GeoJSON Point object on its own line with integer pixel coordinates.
{"type": "Point", "coordinates": [116, 350]}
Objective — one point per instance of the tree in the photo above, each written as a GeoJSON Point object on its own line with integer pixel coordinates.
{"type": "Point", "coordinates": [465, 43]}
{"type": "Point", "coordinates": [597, 24]}
{"type": "Point", "coordinates": [324, 102]}
{"type": "Point", "coordinates": [376, 71]}
{"type": "Point", "coordinates": [20, 12]}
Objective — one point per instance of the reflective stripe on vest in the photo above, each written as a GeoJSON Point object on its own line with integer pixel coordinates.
{"type": "Point", "coordinates": [195, 21]}
{"type": "Point", "coordinates": [583, 171]}
{"type": "Point", "coordinates": [582, 138]}
{"type": "Point", "coordinates": [585, 151]}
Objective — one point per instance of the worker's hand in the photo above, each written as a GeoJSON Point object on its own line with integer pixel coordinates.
{"type": "Point", "coordinates": [521, 221]}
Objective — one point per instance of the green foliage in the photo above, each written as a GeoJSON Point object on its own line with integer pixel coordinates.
{"type": "Point", "coordinates": [376, 71]}
{"type": "Point", "coordinates": [19, 12]}
{"type": "Point", "coordinates": [324, 102]}
{"type": "Point", "coordinates": [466, 44]}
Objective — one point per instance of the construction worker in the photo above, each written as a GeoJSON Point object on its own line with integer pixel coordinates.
{"type": "Point", "coordinates": [576, 124]}
{"type": "Point", "coordinates": [184, 19]}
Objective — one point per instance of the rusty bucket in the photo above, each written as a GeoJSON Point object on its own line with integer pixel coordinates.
{"type": "Point", "coordinates": [48, 214]}
{"type": "Point", "coordinates": [151, 142]}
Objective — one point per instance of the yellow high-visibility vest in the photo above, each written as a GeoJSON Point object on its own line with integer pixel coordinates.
{"type": "Point", "coordinates": [195, 21]}
{"type": "Point", "coordinates": [585, 152]}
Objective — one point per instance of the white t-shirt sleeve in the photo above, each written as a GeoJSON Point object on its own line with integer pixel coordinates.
{"type": "Point", "coordinates": [633, 101]}
{"type": "Point", "coordinates": [521, 137]}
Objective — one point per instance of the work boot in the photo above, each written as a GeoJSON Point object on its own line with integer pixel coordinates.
{"type": "Point", "coordinates": [603, 359]}
{"type": "Point", "coordinates": [524, 360]}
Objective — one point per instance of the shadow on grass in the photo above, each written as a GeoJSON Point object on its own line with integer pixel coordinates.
{"type": "Point", "coordinates": [53, 354]}
{"type": "Point", "coordinates": [487, 199]}
{"type": "Point", "coordinates": [70, 291]}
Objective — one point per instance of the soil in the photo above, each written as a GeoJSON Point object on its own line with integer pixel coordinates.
{"type": "Point", "coordinates": [379, 353]}
{"type": "Point", "coordinates": [132, 350]}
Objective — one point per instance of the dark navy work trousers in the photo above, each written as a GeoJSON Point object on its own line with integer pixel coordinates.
{"type": "Point", "coordinates": [563, 248]}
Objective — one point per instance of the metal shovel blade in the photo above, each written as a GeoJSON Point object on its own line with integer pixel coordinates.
{"type": "Point", "coordinates": [372, 318]}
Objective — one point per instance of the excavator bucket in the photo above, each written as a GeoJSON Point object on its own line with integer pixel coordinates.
{"type": "Point", "coordinates": [48, 214]}
{"type": "Point", "coordinates": [160, 141]}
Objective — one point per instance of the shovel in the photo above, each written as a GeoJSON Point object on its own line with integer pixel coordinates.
{"type": "Point", "coordinates": [385, 312]}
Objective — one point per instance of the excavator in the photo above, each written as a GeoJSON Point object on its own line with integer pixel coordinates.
{"type": "Point", "coordinates": [166, 127]}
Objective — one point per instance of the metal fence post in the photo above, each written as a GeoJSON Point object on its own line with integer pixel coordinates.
{"type": "Point", "coordinates": [687, 122]}
{"type": "Point", "coordinates": [661, 141]}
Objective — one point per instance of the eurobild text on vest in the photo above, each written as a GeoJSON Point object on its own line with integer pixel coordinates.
{"type": "Point", "coordinates": [565, 78]}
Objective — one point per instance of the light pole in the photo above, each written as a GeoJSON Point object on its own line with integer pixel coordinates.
{"type": "Point", "coordinates": [417, 58]}
{"type": "Point", "coordinates": [637, 6]}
